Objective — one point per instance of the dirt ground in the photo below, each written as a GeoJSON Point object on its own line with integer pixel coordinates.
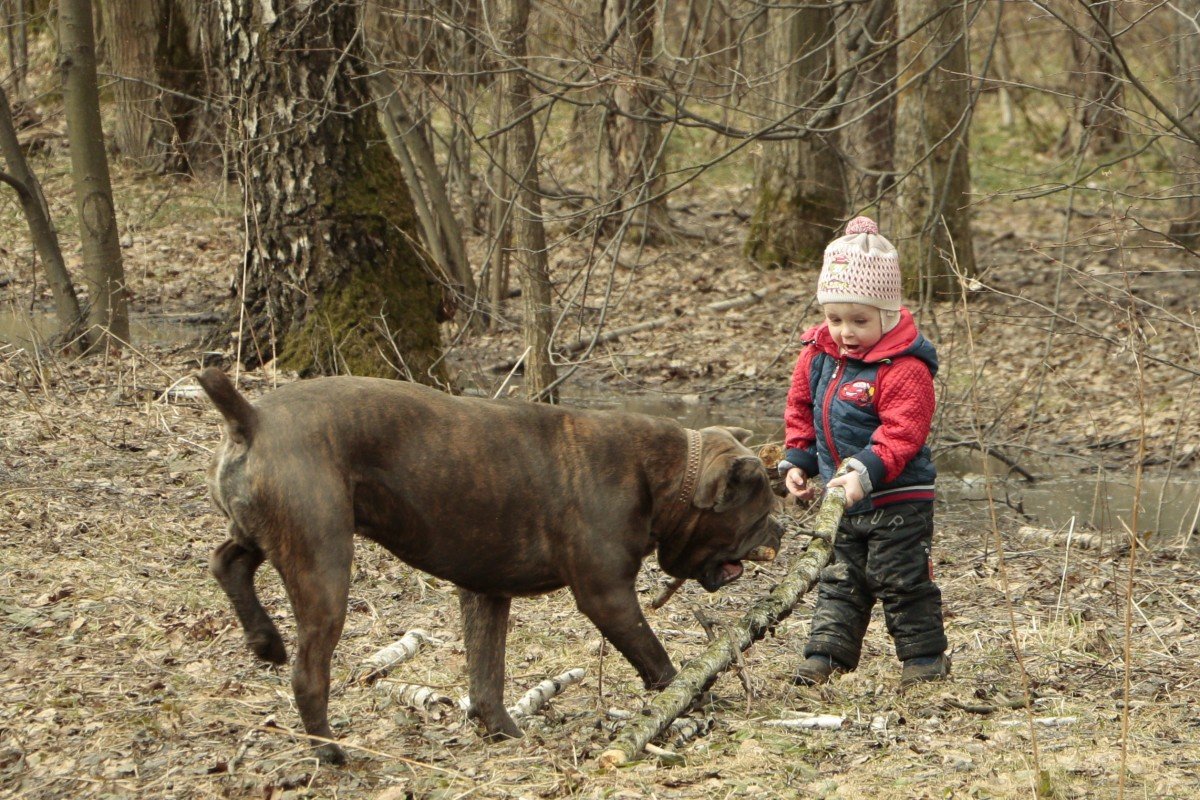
{"type": "Point", "coordinates": [125, 674]}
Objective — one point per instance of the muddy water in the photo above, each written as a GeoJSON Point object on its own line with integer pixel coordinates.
{"type": "Point", "coordinates": [1059, 498]}
{"type": "Point", "coordinates": [22, 329]}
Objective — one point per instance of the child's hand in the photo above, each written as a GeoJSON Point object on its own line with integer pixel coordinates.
{"type": "Point", "coordinates": [852, 485]}
{"type": "Point", "coordinates": [798, 485]}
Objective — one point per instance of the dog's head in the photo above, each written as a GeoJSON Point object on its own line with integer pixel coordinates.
{"type": "Point", "coordinates": [730, 519]}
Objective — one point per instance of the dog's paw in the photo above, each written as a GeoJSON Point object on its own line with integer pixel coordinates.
{"type": "Point", "coordinates": [268, 646]}
{"type": "Point", "coordinates": [330, 753]}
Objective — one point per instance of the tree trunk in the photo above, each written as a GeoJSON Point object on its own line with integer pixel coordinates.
{"type": "Point", "coordinates": [188, 64]}
{"type": "Point", "coordinates": [1185, 228]}
{"type": "Point", "coordinates": [635, 182]}
{"type": "Point", "coordinates": [871, 113]}
{"type": "Point", "coordinates": [528, 232]}
{"type": "Point", "coordinates": [16, 28]}
{"type": "Point", "coordinates": [932, 117]}
{"type": "Point", "coordinates": [142, 129]}
{"type": "Point", "coordinates": [331, 281]}
{"type": "Point", "coordinates": [1100, 112]}
{"type": "Point", "coordinates": [71, 323]}
{"type": "Point", "coordinates": [798, 183]}
{"type": "Point", "coordinates": [104, 275]}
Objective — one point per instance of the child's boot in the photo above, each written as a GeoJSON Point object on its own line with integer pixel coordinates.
{"type": "Point", "coordinates": [925, 668]}
{"type": "Point", "coordinates": [815, 670]}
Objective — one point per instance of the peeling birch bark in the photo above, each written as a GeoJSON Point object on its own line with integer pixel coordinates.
{"type": "Point", "coordinates": [537, 697]}
{"type": "Point", "coordinates": [381, 662]}
{"type": "Point", "coordinates": [822, 721]}
{"type": "Point", "coordinates": [701, 672]}
{"type": "Point", "coordinates": [422, 698]}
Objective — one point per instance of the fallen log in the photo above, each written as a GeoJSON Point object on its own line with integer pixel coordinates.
{"type": "Point", "coordinates": [701, 672]}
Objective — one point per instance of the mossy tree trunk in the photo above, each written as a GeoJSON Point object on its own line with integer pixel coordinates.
{"type": "Point", "coordinates": [331, 282]}
{"type": "Point", "coordinates": [528, 230]}
{"type": "Point", "coordinates": [104, 272]}
{"type": "Point", "coordinates": [1185, 228]}
{"type": "Point", "coordinates": [932, 221]}
{"type": "Point", "coordinates": [799, 185]}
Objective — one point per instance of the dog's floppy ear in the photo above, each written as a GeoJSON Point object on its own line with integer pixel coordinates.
{"type": "Point", "coordinates": [729, 482]}
{"type": "Point", "coordinates": [741, 434]}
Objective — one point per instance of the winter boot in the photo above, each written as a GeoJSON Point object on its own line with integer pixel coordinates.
{"type": "Point", "coordinates": [924, 668]}
{"type": "Point", "coordinates": [815, 670]}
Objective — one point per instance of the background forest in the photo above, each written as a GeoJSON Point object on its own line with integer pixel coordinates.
{"type": "Point", "coordinates": [618, 203]}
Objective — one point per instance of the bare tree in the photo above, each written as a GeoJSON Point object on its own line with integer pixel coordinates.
{"type": "Point", "coordinates": [104, 275]}
{"type": "Point", "coordinates": [633, 136]}
{"type": "Point", "coordinates": [799, 184]}
{"type": "Point", "coordinates": [933, 115]}
{"type": "Point", "coordinates": [1101, 118]}
{"type": "Point", "coordinates": [15, 19]}
{"type": "Point", "coordinates": [332, 280]}
{"type": "Point", "coordinates": [143, 131]}
{"type": "Point", "coordinates": [869, 116]}
{"type": "Point", "coordinates": [20, 177]}
{"type": "Point", "coordinates": [1185, 228]}
{"type": "Point", "coordinates": [529, 236]}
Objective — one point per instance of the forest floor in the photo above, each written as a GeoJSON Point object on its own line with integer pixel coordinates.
{"type": "Point", "coordinates": [125, 674]}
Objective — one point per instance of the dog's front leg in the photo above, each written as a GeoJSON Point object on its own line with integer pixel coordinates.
{"type": "Point", "coordinates": [615, 611]}
{"type": "Point", "coordinates": [485, 629]}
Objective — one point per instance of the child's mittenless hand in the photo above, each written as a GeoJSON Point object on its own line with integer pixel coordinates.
{"type": "Point", "coordinates": [853, 486]}
{"type": "Point", "coordinates": [798, 485]}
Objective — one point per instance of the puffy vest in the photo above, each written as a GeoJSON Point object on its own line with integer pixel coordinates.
{"type": "Point", "coordinates": [844, 417]}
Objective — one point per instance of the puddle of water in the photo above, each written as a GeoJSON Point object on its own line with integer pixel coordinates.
{"type": "Point", "coordinates": [22, 329]}
{"type": "Point", "coordinates": [1060, 496]}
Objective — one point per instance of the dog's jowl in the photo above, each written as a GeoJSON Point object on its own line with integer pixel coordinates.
{"type": "Point", "coordinates": [554, 497]}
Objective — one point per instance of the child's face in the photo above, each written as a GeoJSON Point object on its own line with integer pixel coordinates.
{"type": "Point", "coordinates": [855, 328]}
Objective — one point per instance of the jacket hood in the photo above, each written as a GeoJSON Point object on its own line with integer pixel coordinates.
{"type": "Point", "coordinates": [902, 340]}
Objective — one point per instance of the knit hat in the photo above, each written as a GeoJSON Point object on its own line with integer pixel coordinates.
{"type": "Point", "coordinates": [861, 267]}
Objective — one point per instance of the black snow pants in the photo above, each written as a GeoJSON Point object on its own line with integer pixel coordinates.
{"type": "Point", "coordinates": [883, 554]}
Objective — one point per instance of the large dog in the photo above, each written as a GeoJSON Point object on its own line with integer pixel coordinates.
{"type": "Point", "coordinates": [501, 498]}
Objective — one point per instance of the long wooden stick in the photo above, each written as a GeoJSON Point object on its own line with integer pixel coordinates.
{"type": "Point", "coordinates": [701, 672]}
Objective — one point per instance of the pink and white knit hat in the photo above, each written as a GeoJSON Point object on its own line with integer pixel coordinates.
{"type": "Point", "coordinates": [861, 267]}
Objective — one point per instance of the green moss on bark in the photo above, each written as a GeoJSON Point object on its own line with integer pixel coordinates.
{"type": "Point", "coordinates": [376, 314]}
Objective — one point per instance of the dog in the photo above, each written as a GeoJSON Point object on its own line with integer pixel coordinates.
{"type": "Point", "coordinates": [502, 498]}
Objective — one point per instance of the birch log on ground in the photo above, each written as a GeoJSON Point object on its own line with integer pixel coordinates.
{"type": "Point", "coordinates": [701, 672]}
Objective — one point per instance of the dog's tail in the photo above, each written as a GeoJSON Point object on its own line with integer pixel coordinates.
{"type": "Point", "coordinates": [240, 417]}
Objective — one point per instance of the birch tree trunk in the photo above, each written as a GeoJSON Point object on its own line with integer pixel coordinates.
{"type": "Point", "coordinates": [331, 281]}
{"type": "Point", "coordinates": [932, 118]}
{"type": "Point", "coordinates": [528, 231]}
{"type": "Point", "coordinates": [104, 275]}
{"type": "Point", "coordinates": [1185, 228]}
{"type": "Point", "coordinates": [799, 183]}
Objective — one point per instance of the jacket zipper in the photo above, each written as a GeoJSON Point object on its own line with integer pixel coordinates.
{"type": "Point", "coordinates": [829, 393]}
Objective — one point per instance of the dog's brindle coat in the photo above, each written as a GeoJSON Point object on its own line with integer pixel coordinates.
{"type": "Point", "coordinates": [501, 498]}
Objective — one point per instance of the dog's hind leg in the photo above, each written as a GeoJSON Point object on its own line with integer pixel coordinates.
{"type": "Point", "coordinates": [233, 564]}
{"type": "Point", "coordinates": [485, 628]}
{"type": "Point", "coordinates": [316, 573]}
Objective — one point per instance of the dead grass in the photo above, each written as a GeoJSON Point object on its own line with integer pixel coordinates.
{"type": "Point", "coordinates": [125, 674]}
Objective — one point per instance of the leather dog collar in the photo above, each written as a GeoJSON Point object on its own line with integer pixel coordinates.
{"type": "Point", "coordinates": [688, 490]}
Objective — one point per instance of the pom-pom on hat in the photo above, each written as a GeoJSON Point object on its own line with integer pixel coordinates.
{"type": "Point", "coordinates": [861, 267]}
